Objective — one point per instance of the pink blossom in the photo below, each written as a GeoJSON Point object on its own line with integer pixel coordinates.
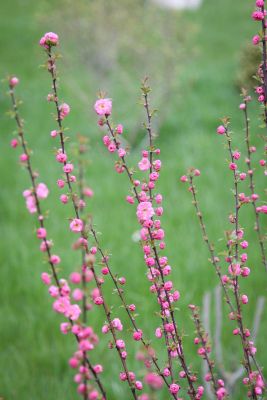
{"type": "Point", "coordinates": [68, 168]}
{"type": "Point", "coordinates": [61, 157]}
{"type": "Point", "coordinates": [137, 335]}
{"type": "Point", "coordinates": [145, 211]}
{"type": "Point", "coordinates": [88, 192]}
{"type": "Point", "coordinates": [119, 129]}
{"type": "Point", "coordinates": [121, 152]}
{"type": "Point", "coordinates": [49, 39]}
{"type": "Point", "coordinates": [23, 157]}
{"type": "Point", "coordinates": [54, 259]}
{"type": "Point", "coordinates": [46, 278]}
{"type": "Point", "coordinates": [73, 362]}
{"type": "Point", "coordinates": [257, 15]}
{"type": "Point", "coordinates": [256, 40]}
{"type": "Point", "coordinates": [158, 333]}
{"type": "Point", "coordinates": [14, 143]}
{"type": "Point", "coordinates": [53, 133]}
{"type": "Point", "coordinates": [144, 164]}
{"type": "Point", "coordinates": [42, 191]}
{"type": "Point", "coordinates": [65, 327]}
{"type": "Point", "coordinates": [76, 225]}
{"type": "Point", "coordinates": [14, 81]}
{"type": "Point", "coordinates": [64, 109]}
{"type": "Point", "coordinates": [138, 385]}
{"type": "Point", "coordinates": [103, 106]}
{"type": "Point", "coordinates": [221, 130]}
{"type": "Point", "coordinates": [120, 344]}
{"type": "Point", "coordinates": [98, 300]}
{"type": "Point", "coordinates": [184, 178]}
{"type": "Point", "coordinates": [174, 388]}
{"type": "Point", "coordinates": [77, 294]}
{"type": "Point", "coordinates": [73, 312]}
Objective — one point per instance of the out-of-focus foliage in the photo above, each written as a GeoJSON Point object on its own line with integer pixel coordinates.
{"type": "Point", "coordinates": [128, 43]}
{"type": "Point", "coordinates": [250, 58]}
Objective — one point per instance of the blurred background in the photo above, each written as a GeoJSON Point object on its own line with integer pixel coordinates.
{"type": "Point", "coordinates": [197, 59]}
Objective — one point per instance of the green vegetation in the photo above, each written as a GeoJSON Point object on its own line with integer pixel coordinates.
{"type": "Point", "coordinates": [34, 354]}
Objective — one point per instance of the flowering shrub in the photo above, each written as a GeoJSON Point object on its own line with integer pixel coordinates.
{"type": "Point", "coordinates": [84, 290]}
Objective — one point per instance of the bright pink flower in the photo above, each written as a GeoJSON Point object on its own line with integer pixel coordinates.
{"type": "Point", "coordinates": [53, 133]}
{"type": "Point", "coordinates": [158, 333]}
{"type": "Point", "coordinates": [233, 166]}
{"type": "Point", "coordinates": [244, 299]}
{"type": "Point", "coordinates": [138, 385]}
{"type": "Point", "coordinates": [88, 192]}
{"type": "Point", "coordinates": [121, 152]}
{"type": "Point", "coordinates": [49, 39]}
{"type": "Point", "coordinates": [93, 395]}
{"type": "Point", "coordinates": [64, 199]}
{"type": "Point", "coordinates": [68, 168]}
{"type": "Point", "coordinates": [61, 157]}
{"type": "Point", "coordinates": [174, 388]}
{"type": "Point", "coordinates": [119, 129]}
{"type": "Point", "coordinates": [23, 157]}
{"type": "Point", "coordinates": [64, 109]}
{"type": "Point", "coordinates": [256, 40]}
{"type": "Point", "coordinates": [221, 130]}
{"type": "Point", "coordinates": [73, 362]}
{"type": "Point", "coordinates": [242, 176]}
{"type": "Point", "coordinates": [61, 305]}
{"type": "Point", "coordinates": [42, 191]}
{"type": "Point", "coordinates": [144, 164]}
{"type": "Point", "coordinates": [75, 278]}
{"type": "Point", "coordinates": [120, 344]}
{"type": "Point", "coordinates": [244, 244]}
{"type": "Point", "coordinates": [65, 327]}
{"type": "Point", "coordinates": [73, 312]}
{"type": "Point", "coordinates": [257, 15]}
{"type": "Point", "coordinates": [46, 278]}
{"type": "Point", "coordinates": [98, 300]}
{"type": "Point", "coordinates": [103, 106]}
{"type": "Point", "coordinates": [41, 233]}
{"type": "Point", "coordinates": [112, 147]}
{"type": "Point", "coordinates": [184, 178]}
{"type": "Point", "coordinates": [221, 393]}
{"type": "Point", "coordinates": [85, 345]}
{"type": "Point", "coordinates": [145, 211]}
{"type": "Point", "coordinates": [14, 81]}
{"type": "Point", "coordinates": [137, 335]}
{"type": "Point", "coordinates": [53, 291]}
{"type": "Point", "coordinates": [54, 259]}
{"type": "Point", "coordinates": [31, 204]}
{"type": "Point", "coordinates": [14, 143]}
{"type": "Point", "coordinates": [77, 294]}
{"type": "Point", "coordinates": [116, 323]}
{"type": "Point", "coordinates": [76, 225]}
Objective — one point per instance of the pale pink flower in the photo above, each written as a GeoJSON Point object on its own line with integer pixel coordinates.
{"type": "Point", "coordinates": [42, 191]}
{"type": "Point", "coordinates": [145, 211]}
{"type": "Point", "coordinates": [73, 312]}
{"type": "Point", "coordinates": [46, 278]}
{"type": "Point", "coordinates": [76, 225]}
{"type": "Point", "coordinates": [64, 109]}
{"type": "Point", "coordinates": [14, 81]}
{"type": "Point", "coordinates": [103, 106]}
{"type": "Point", "coordinates": [31, 204]}
{"type": "Point", "coordinates": [144, 164]}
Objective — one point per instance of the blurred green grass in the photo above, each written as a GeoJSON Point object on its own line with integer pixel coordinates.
{"type": "Point", "coordinates": [33, 352]}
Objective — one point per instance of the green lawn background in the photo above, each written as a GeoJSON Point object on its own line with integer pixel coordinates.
{"type": "Point", "coordinates": [34, 354]}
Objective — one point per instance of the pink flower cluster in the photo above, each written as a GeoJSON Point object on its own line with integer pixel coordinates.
{"type": "Point", "coordinates": [49, 39]}
{"type": "Point", "coordinates": [29, 195]}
